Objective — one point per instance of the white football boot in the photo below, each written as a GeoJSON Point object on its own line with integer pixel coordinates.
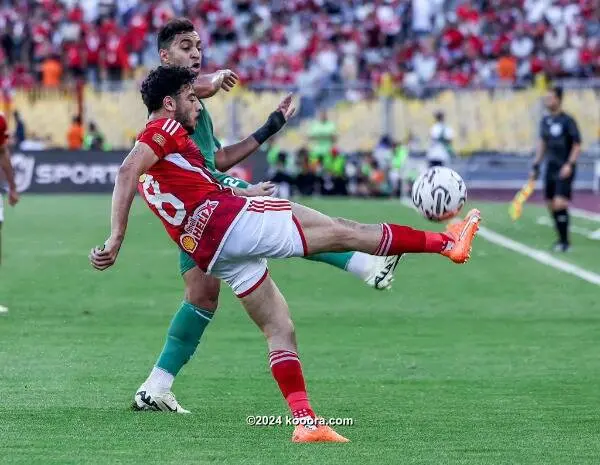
{"type": "Point", "coordinates": [381, 274]}
{"type": "Point", "coordinates": [3, 310]}
{"type": "Point", "coordinates": [145, 399]}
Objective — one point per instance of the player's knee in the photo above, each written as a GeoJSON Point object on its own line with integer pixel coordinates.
{"type": "Point", "coordinates": [202, 291]}
{"type": "Point", "coordinates": [281, 329]}
{"type": "Point", "coordinates": [559, 203]}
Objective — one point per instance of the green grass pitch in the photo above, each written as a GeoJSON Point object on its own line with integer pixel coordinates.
{"type": "Point", "coordinates": [495, 362]}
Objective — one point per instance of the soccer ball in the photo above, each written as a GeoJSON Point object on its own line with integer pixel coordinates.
{"type": "Point", "coordinates": [439, 193]}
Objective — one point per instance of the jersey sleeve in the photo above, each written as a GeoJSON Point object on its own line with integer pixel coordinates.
{"type": "Point", "coordinates": [159, 140]}
{"type": "Point", "coordinates": [573, 131]}
{"type": "Point", "coordinates": [229, 181]}
{"type": "Point", "coordinates": [541, 128]}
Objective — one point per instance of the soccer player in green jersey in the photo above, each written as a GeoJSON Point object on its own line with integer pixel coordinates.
{"type": "Point", "coordinates": [180, 45]}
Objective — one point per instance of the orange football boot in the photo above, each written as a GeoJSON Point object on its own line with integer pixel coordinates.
{"type": "Point", "coordinates": [462, 234]}
{"type": "Point", "coordinates": [320, 433]}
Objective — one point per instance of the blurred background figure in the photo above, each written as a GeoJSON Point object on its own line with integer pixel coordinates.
{"type": "Point", "coordinates": [19, 135]}
{"type": "Point", "coordinates": [94, 139]}
{"type": "Point", "coordinates": [322, 135]}
{"type": "Point", "coordinates": [75, 134]}
{"type": "Point", "coordinates": [440, 148]}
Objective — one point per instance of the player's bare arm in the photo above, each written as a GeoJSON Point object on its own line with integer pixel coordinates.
{"type": "Point", "coordinates": [207, 85]}
{"type": "Point", "coordinates": [6, 167]}
{"type": "Point", "coordinates": [139, 160]}
{"type": "Point", "coordinates": [231, 155]}
{"type": "Point", "coordinates": [539, 155]}
{"type": "Point", "coordinates": [567, 169]}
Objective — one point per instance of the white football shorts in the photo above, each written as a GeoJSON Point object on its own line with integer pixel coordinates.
{"type": "Point", "coordinates": [266, 229]}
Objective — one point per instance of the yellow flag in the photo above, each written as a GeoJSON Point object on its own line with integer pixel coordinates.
{"type": "Point", "coordinates": [515, 210]}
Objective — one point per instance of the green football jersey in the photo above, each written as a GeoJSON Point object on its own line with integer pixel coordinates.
{"type": "Point", "coordinates": [204, 138]}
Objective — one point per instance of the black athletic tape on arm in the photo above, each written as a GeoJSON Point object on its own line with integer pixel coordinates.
{"type": "Point", "coordinates": [274, 123]}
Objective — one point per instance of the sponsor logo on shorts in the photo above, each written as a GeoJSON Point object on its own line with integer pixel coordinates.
{"type": "Point", "coordinates": [188, 243]}
{"type": "Point", "coordinates": [198, 220]}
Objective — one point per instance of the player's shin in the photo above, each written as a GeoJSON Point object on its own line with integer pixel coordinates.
{"type": "Point", "coordinates": [561, 221]}
{"type": "Point", "coordinates": [268, 309]}
{"type": "Point", "coordinates": [183, 336]}
{"type": "Point", "coordinates": [397, 239]}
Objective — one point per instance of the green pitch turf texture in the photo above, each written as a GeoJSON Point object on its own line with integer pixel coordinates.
{"type": "Point", "coordinates": [495, 362]}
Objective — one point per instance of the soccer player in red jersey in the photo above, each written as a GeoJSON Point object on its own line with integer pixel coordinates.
{"type": "Point", "coordinates": [231, 237]}
{"type": "Point", "coordinates": [6, 168]}
{"type": "Point", "coordinates": [179, 44]}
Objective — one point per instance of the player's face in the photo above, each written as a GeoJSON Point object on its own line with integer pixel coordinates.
{"type": "Point", "coordinates": [551, 101]}
{"type": "Point", "coordinates": [185, 50]}
{"type": "Point", "coordinates": [187, 109]}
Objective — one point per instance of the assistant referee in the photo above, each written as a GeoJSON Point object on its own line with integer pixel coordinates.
{"type": "Point", "coordinates": [560, 145]}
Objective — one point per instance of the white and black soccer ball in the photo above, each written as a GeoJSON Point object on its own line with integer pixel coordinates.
{"type": "Point", "coordinates": [439, 193]}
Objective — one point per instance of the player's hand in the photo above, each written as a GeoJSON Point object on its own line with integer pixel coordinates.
{"type": "Point", "coordinates": [566, 171]}
{"type": "Point", "coordinates": [265, 189]}
{"type": "Point", "coordinates": [534, 174]}
{"type": "Point", "coordinates": [224, 79]}
{"type": "Point", "coordinates": [104, 257]}
{"type": "Point", "coordinates": [287, 107]}
{"type": "Point", "coordinates": [13, 197]}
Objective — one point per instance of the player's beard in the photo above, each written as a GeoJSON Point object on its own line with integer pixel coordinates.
{"type": "Point", "coordinates": [182, 118]}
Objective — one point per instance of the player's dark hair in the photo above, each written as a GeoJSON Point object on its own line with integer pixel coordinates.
{"type": "Point", "coordinates": [174, 27]}
{"type": "Point", "coordinates": [162, 82]}
{"type": "Point", "coordinates": [558, 92]}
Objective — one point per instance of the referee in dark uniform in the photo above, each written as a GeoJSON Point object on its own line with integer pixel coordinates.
{"type": "Point", "coordinates": [560, 145]}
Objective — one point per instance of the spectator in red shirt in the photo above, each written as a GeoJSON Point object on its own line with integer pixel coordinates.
{"type": "Point", "coordinates": [115, 60]}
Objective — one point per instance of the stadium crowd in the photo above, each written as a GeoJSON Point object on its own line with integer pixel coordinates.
{"type": "Point", "coordinates": [309, 43]}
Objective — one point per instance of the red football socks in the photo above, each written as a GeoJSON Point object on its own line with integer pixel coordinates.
{"type": "Point", "coordinates": [287, 371]}
{"type": "Point", "coordinates": [398, 239]}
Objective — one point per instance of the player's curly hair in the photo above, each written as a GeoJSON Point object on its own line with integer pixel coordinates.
{"type": "Point", "coordinates": [167, 33]}
{"type": "Point", "coordinates": [162, 82]}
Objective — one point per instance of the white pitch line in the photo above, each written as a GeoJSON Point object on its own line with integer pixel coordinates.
{"type": "Point", "coordinates": [545, 221]}
{"type": "Point", "coordinates": [585, 214]}
{"type": "Point", "coordinates": [539, 256]}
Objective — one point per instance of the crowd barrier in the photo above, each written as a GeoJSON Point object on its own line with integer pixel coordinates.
{"type": "Point", "coordinates": [65, 172]}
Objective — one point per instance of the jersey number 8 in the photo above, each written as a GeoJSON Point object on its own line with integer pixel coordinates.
{"type": "Point", "coordinates": [157, 199]}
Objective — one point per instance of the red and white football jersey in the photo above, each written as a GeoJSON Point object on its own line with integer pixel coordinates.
{"type": "Point", "coordinates": [3, 130]}
{"type": "Point", "coordinates": [195, 209]}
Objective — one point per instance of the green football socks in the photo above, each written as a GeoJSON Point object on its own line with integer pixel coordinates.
{"type": "Point", "coordinates": [339, 260]}
{"type": "Point", "coordinates": [183, 337]}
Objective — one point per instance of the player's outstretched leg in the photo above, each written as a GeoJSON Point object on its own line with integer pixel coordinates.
{"type": "Point", "coordinates": [183, 337]}
{"type": "Point", "coordinates": [323, 233]}
{"type": "Point", "coordinates": [268, 309]}
{"type": "Point", "coordinates": [376, 272]}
